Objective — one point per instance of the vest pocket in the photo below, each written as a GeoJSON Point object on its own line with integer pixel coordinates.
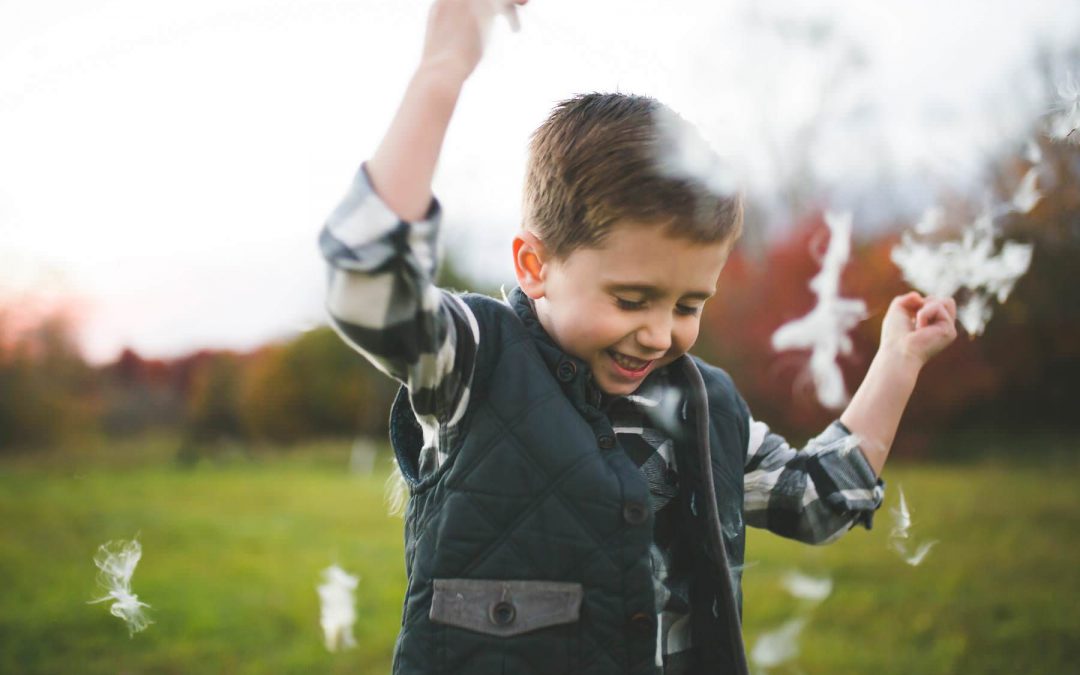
{"type": "Point", "coordinates": [504, 608]}
{"type": "Point", "coordinates": [498, 626]}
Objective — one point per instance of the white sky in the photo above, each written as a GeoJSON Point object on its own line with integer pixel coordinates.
{"type": "Point", "coordinates": [170, 163]}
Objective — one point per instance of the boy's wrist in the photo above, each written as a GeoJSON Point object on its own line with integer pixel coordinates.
{"type": "Point", "coordinates": [899, 361]}
{"type": "Point", "coordinates": [443, 75]}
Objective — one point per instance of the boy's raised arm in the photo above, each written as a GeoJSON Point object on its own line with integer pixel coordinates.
{"type": "Point", "coordinates": [380, 241]}
{"type": "Point", "coordinates": [404, 163]}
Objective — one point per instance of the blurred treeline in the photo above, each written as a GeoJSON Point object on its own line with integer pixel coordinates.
{"type": "Point", "coordinates": [310, 386]}
{"type": "Point", "coordinates": [1017, 376]}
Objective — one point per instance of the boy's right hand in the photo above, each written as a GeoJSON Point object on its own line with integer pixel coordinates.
{"type": "Point", "coordinates": [457, 31]}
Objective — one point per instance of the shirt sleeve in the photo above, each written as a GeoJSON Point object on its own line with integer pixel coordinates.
{"type": "Point", "coordinates": [382, 300]}
{"type": "Point", "coordinates": [814, 494]}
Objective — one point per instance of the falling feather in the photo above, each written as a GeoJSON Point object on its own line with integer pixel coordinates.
{"type": "Point", "coordinates": [779, 646]}
{"type": "Point", "coordinates": [901, 533]}
{"type": "Point", "coordinates": [1032, 152]}
{"type": "Point", "coordinates": [510, 12]}
{"type": "Point", "coordinates": [1064, 122]}
{"type": "Point", "coordinates": [682, 152]}
{"type": "Point", "coordinates": [932, 220]}
{"type": "Point", "coordinates": [916, 558]}
{"type": "Point", "coordinates": [395, 492]}
{"type": "Point", "coordinates": [825, 329]}
{"type": "Point", "coordinates": [901, 518]}
{"type": "Point", "coordinates": [1027, 195]}
{"type": "Point", "coordinates": [806, 587]}
{"type": "Point", "coordinates": [338, 608]}
{"type": "Point", "coordinates": [116, 561]}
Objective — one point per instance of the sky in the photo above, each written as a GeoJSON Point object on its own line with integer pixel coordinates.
{"type": "Point", "coordinates": [165, 167]}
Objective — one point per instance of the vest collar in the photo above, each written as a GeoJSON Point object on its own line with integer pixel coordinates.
{"type": "Point", "coordinates": [573, 374]}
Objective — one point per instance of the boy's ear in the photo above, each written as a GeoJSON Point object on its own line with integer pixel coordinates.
{"type": "Point", "coordinates": [530, 264]}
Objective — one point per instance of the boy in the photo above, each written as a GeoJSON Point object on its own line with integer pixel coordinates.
{"type": "Point", "coordinates": [578, 483]}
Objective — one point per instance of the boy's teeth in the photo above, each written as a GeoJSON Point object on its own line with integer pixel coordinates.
{"type": "Point", "coordinates": [628, 361]}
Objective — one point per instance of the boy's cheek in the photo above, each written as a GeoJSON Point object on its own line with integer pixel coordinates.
{"type": "Point", "coordinates": [684, 341]}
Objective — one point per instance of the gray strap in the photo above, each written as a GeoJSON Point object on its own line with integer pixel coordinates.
{"type": "Point", "coordinates": [727, 588]}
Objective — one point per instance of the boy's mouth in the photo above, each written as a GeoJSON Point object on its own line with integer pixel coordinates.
{"type": "Point", "coordinates": [628, 364]}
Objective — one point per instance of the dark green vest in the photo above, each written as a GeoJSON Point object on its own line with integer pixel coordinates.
{"type": "Point", "coordinates": [527, 550]}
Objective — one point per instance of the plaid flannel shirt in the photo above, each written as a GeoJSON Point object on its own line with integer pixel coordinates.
{"type": "Point", "coordinates": [382, 301]}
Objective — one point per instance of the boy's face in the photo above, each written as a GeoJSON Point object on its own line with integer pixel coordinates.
{"type": "Point", "coordinates": [628, 307]}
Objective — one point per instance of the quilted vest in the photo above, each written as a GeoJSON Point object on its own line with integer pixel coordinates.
{"type": "Point", "coordinates": [526, 551]}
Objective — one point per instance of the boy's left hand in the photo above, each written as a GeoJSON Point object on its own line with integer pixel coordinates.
{"type": "Point", "coordinates": [918, 328]}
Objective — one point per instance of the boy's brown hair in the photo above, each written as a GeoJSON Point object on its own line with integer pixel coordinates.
{"type": "Point", "coordinates": [598, 159]}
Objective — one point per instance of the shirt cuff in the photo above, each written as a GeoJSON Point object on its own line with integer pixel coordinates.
{"type": "Point", "coordinates": [858, 492]}
{"type": "Point", "coordinates": [363, 233]}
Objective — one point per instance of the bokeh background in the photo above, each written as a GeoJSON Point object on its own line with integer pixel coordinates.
{"type": "Point", "coordinates": [166, 371]}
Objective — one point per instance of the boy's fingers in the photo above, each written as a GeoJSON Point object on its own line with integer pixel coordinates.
{"type": "Point", "coordinates": [950, 305]}
{"type": "Point", "coordinates": [926, 315]}
{"type": "Point", "coordinates": [910, 302]}
{"type": "Point", "coordinates": [932, 313]}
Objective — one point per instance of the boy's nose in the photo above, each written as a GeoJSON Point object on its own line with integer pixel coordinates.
{"type": "Point", "coordinates": [655, 337]}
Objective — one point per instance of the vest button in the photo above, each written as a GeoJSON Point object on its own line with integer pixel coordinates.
{"type": "Point", "coordinates": [635, 513]}
{"type": "Point", "coordinates": [566, 371]}
{"type": "Point", "coordinates": [643, 625]}
{"type": "Point", "coordinates": [606, 441]}
{"type": "Point", "coordinates": [502, 613]}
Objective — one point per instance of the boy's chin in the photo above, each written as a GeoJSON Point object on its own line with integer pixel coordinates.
{"type": "Point", "coordinates": [616, 388]}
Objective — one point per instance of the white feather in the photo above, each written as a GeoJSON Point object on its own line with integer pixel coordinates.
{"type": "Point", "coordinates": [116, 561]}
{"type": "Point", "coordinates": [338, 610]}
{"type": "Point", "coordinates": [825, 329]}
{"type": "Point", "coordinates": [901, 533]}
{"type": "Point", "coordinates": [806, 587]}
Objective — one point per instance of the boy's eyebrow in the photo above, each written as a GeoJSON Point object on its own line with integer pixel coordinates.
{"type": "Point", "coordinates": [652, 291]}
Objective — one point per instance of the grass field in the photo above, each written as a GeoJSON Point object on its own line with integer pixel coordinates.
{"type": "Point", "coordinates": [232, 551]}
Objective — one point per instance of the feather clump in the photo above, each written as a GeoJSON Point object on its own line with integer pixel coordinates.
{"type": "Point", "coordinates": [975, 264]}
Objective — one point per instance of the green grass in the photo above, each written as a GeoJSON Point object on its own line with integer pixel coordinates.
{"type": "Point", "coordinates": [997, 594]}
{"type": "Point", "coordinates": [232, 552]}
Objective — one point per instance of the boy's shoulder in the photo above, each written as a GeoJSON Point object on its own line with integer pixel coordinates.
{"type": "Point", "coordinates": [510, 316]}
{"type": "Point", "coordinates": [491, 314]}
{"type": "Point", "coordinates": [499, 325]}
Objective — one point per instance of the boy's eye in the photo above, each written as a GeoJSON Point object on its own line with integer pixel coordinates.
{"type": "Point", "coordinates": [629, 304]}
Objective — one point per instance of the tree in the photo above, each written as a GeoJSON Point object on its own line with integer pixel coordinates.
{"type": "Point", "coordinates": [46, 388]}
